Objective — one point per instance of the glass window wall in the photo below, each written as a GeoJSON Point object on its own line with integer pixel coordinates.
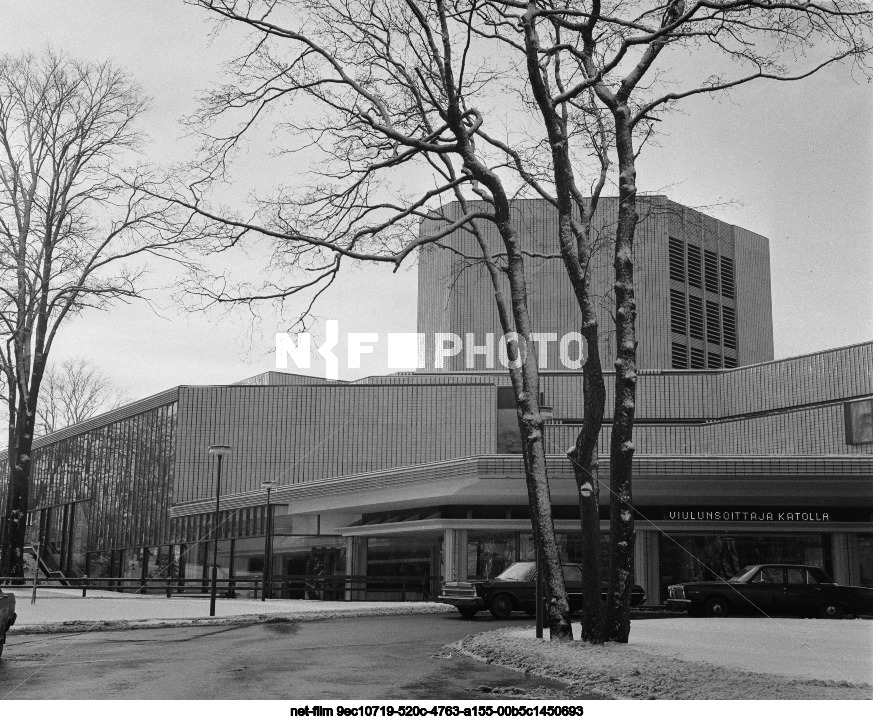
{"type": "Point", "coordinates": [865, 557]}
{"type": "Point", "coordinates": [487, 551]}
{"type": "Point", "coordinates": [708, 557]}
{"type": "Point", "coordinates": [403, 568]}
{"type": "Point", "coordinates": [489, 554]}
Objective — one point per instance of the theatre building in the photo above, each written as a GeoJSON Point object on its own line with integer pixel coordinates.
{"type": "Point", "coordinates": [411, 478]}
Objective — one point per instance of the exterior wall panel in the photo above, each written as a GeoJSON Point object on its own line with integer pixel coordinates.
{"type": "Point", "coordinates": [292, 434]}
{"type": "Point", "coordinates": [455, 294]}
{"type": "Point", "coordinates": [754, 300]}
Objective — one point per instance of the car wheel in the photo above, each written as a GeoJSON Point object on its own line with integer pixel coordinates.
{"type": "Point", "coordinates": [2, 643]}
{"type": "Point", "coordinates": [832, 610]}
{"type": "Point", "coordinates": [717, 607]}
{"type": "Point", "coordinates": [501, 606]}
{"type": "Point", "coordinates": [467, 612]}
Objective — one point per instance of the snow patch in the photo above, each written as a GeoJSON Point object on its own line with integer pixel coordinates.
{"type": "Point", "coordinates": [685, 658]}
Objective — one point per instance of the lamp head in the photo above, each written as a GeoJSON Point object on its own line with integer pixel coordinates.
{"type": "Point", "coordinates": [219, 450]}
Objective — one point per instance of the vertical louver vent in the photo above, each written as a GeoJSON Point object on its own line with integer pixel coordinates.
{"type": "Point", "coordinates": [710, 268]}
{"type": "Point", "coordinates": [677, 312]}
{"type": "Point", "coordinates": [694, 269]}
{"type": "Point", "coordinates": [727, 277]}
{"type": "Point", "coordinates": [677, 260]}
{"type": "Point", "coordinates": [730, 327]}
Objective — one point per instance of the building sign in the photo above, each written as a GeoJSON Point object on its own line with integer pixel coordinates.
{"type": "Point", "coordinates": [859, 422]}
{"type": "Point", "coordinates": [773, 515]}
{"type": "Point", "coordinates": [768, 516]}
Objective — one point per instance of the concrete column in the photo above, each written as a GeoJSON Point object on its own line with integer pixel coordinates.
{"type": "Point", "coordinates": [454, 555]}
{"type": "Point", "coordinates": [461, 554]}
{"type": "Point", "coordinates": [449, 570]}
{"type": "Point", "coordinates": [647, 565]}
{"type": "Point", "coordinates": [356, 565]}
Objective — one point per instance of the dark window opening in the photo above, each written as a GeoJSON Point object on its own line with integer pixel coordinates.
{"type": "Point", "coordinates": [677, 260]}
{"type": "Point", "coordinates": [677, 312]}
{"type": "Point", "coordinates": [727, 277]}
{"type": "Point", "coordinates": [730, 327]}
{"type": "Point", "coordinates": [710, 261]}
{"type": "Point", "coordinates": [694, 269]}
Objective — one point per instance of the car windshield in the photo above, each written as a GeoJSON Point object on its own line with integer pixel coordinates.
{"type": "Point", "coordinates": [744, 575]}
{"type": "Point", "coordinates": [519, 572]}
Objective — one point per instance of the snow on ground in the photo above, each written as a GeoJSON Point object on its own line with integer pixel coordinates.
{"type": "Point", "coordinates": [800, 648]}
{"type": "Point", "coordinates": [700, 658]}
{"type": "Point", "coordinates": [57, 606]}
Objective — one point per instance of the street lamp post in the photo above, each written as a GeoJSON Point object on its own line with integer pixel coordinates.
{"type": "Point", "coordinates": [219, 451]}
{"type": "Point", "coordinates": [268, 486]}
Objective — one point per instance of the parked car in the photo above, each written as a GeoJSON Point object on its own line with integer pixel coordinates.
{"type": "Point", "coordinates": [7, 616]}
{"type": "Point", "coordinates": [515, 590]}
{"type": "Point", "coordinates": [772, 588]}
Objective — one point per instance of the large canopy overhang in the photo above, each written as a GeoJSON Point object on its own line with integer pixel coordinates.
{"type": "Point", "coordinates": [791, 481]}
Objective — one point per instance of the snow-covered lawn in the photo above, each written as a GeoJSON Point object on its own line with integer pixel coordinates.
{"type": "Point", "coordinates": [54, 607]}
{"type": "Point", "coordinates": [701, 658]}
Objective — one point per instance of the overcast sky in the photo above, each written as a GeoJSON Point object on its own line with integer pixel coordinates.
{"type": "Point", "coordinates": [797, 159]}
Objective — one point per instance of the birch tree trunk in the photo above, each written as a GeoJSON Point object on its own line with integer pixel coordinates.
{"type": "Point", "coordinates": [617, 623]}
{"type": "Point", "coordinates": [575, 245]}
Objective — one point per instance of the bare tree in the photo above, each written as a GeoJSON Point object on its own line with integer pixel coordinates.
{"type": "Point", "coordinates": [403, 89]}
{"type": "Point", "coordinates": [613, 50]}
{"type": "Point", "coordinates": [74, 391]}
{"type": "Point", "coordinates": [72, 225]}
{"type": "Point", "coordinates": [384, 92]}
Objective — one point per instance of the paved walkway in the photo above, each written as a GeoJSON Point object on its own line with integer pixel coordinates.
{"type": "Point", "coordinates": [57, 606]}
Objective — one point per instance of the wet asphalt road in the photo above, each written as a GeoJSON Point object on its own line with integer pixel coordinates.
{"type": "Point", "coordinates": [385, 657]}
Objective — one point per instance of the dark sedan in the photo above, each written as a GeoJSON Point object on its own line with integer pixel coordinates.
{"type": "Point", "coordinates": [515, 590]}
{"type": "Point", "coordinates": [772, 589]}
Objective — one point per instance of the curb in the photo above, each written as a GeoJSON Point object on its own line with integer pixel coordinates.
{"type": "Point", "coordinates": [242, 620]}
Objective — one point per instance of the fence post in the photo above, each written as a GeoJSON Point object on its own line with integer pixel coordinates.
{"type": "Point", "coordinates": [170, 583]}
{"type": "Point", "coordinates": [35, 577]}
{"type": "Point", "coordinates": [84, 586]}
